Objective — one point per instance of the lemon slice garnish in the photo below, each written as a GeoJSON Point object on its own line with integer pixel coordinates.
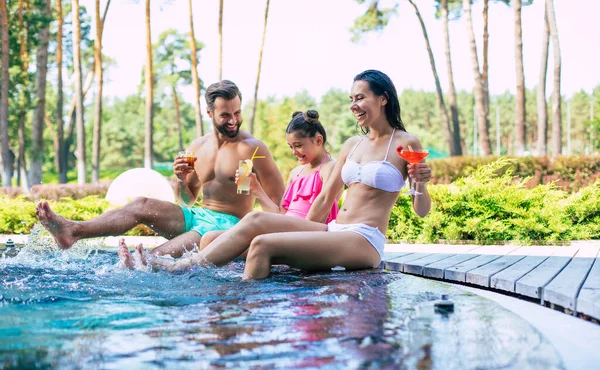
{"type": "Point", "coordinates": [249, 165]}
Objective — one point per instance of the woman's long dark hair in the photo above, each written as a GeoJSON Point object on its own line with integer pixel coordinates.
{"type": "Point", "coordinates": [381, 85]}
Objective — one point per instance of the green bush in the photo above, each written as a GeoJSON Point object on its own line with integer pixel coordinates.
{"type": "Point", "coordinates": [569, 173]}
{"type": "Point", "coordinates": [17, 215]}
{"type": "Point", "coordinates": [490, 205]}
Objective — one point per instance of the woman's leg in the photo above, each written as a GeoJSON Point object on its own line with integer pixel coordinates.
{"type": "Point", "coordinates": [309, 251]}
{"type": "Point", "coordinates": [236, 240]}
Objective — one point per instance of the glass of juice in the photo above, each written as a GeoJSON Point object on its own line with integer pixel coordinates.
{"type": "Point", "coordinates": [188, 155]}
{"type": "Point", "coordinates": [413, 157]}
{"type": "Point", "coordinates": [244, 169]}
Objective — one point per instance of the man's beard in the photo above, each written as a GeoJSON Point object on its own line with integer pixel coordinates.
{"type": "Point", "coordinates": [223, 131]}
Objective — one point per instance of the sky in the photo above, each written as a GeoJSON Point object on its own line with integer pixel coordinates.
{"type": "Point", "coordinates": [308, 45]}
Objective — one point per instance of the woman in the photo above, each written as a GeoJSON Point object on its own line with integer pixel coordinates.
{"type": "Point", "coordinates": [374, 176]}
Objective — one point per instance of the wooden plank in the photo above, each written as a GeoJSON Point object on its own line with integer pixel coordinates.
{"type": "Point", "coordinates": [397, 264]}
{"type": "Point", "coordinates": [564, 288]}
{"type": "Point", "coordinates": [392, 265]}
{"type": "Point", "coordinates": [417, 248]}
{"type": "Point", "coordinates": [588, 301]}
{"type": "Point", "coordinates": [531, 284]}
{"type": "Point", "coordinates": [534, 255]}
{"type": "Point", "coordinates": [418, 251]}
{"type": "Point", "coordinates": [487, 254]}
{"type": "Point", "coordinates": [436, 269]}
{"type": "Point", "coordinates": [416, 267]}
{"type": "Point", "coordinates": [391, 255]}
{"type": "Point", "coordinates": [481, 276]}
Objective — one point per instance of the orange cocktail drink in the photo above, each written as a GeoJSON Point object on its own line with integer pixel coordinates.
{"type": "Point", "coordinates": [412, 157]}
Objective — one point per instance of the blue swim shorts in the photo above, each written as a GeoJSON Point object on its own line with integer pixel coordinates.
{"type": "Point", "coordinates": [203, 220]}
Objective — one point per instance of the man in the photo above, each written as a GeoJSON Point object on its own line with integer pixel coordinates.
{"type": "Point", "coordinates": [213, 174]}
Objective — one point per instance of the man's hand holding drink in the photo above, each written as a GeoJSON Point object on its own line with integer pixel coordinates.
{"type": "Point", "coordinates": [184, 164]}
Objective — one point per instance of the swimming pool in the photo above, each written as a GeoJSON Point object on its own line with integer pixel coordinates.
{"type": "Point", "coordinates": [80, 309]}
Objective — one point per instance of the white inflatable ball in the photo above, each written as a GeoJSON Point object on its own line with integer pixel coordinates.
{"type": "Point", "coordinates": [139, 182]}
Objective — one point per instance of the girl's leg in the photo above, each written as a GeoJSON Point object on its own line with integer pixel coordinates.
{"type": "Point", "coordinates": [309, 251]}
{"type": "Point", "coordinates": [179, 244]}
{"type": "Point", "coordinates": [236, 240]}
{"type": "Point", "coordinates": [210, 236]}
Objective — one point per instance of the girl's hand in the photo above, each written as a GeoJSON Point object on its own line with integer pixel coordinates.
{"type": "Point", "coordinates": [254, 184]}
{"type": "Point", "coordinates": [419, 172]}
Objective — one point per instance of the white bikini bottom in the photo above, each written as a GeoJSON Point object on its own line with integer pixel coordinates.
{"type": "Point", "coordinates": [372, 234]}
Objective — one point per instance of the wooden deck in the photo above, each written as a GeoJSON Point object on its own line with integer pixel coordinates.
{"type": "Point", "coordinates": [565, 276]}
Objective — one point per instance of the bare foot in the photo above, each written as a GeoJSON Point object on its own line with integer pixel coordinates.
{"type": "Point", "coordinates": [141, 252]}
{"type": "Point", "coordinates": [125, 256]}
{"type": "Point", "coordinates": [60, 228]}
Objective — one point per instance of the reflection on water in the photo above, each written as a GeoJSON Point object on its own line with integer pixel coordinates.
{"type": "Point", "coordinates": [80, 309]}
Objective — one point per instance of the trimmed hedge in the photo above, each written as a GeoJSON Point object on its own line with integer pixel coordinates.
{"type": "Point", "coordinates": [17, 215]}
{"type": "Point", "coordinates": [569, 173]}
{"type": "Point", "coordinates": [486, 207]}
{"type": "Point", "coordinates": [489, 205]}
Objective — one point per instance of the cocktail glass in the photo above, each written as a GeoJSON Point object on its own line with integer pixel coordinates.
{"type": "Point", "coordinates": [188, 155]}
{"type": "Point", "coordinates": [413, 157]}
{"type": "Point", "coordinates": [244, 169]}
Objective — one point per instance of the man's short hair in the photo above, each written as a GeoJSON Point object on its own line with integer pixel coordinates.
{"type": "Point", "coordinates": [223, 89]}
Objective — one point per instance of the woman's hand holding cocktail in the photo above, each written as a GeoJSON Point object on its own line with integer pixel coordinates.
{"type": "Point", "coordinates": [419, 172]}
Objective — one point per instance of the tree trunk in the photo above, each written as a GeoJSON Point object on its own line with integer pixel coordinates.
{"type": "Point", "coordinates": [262, 47]}
{"type": "Point", "coordinates": [65, 149]}
{"type": "Point", "coordinates": [520, 133]}
{"type": "Point", "coordinates": [97, 136]}
{"type": "Point", "coordinates": [542, 109]}
{"type": "Point", "coordinates": [23, 101]}
{"type": "Point", "coordinates": [60, 159]}
{"type": "Point", "coordinates": [178, 117]}
{"type": "Point", "coordinates": [220, 40]}
{"type": "Point", "coordinates": [556, 98]}
{"type": "Point", "coordinates": [148, 149]}
{"type": "Point", "coordinates": [451, 88]}
{"type": "Point", "coordinates": [195, 78]}
{"type": "Point", "coordinates": [21, 160]}
{"type": "Point", "coordinates": [37, 130]}
{"type": "Point", "coordinates": [438, 87]}
{"type": "Point", "coordinates": [485, 70]}
{"type": "Point", "coordinates": [81, 155]}
{"type": "Point", "coordinates": [482, 119]}
{"type": "Point", "coordinates": [6, 160]}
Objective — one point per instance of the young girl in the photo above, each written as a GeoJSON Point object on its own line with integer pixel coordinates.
{"type": "Point", "coordinates": [306, 138]}
{"type": "Point", "coordinates": [374, 174]}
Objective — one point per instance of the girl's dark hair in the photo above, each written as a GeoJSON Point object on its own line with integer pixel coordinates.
{"type": "Point", "coordinates": [381, 85]}
{"type": "Point", "coordinates": [306, 124]}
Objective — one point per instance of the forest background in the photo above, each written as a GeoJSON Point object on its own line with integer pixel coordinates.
{"type": "Point", "coordinates": [119, 86]}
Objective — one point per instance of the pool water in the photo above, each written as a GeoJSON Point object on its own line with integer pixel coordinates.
{"type": "Point", "coordinates": [81, 309]}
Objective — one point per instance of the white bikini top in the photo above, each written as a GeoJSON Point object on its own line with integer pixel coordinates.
{"type": "Point", "coordinates": [381, 175]}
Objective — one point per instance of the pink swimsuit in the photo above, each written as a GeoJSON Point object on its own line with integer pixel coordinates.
{"type": "Point", "coordinates": [301, 194]}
